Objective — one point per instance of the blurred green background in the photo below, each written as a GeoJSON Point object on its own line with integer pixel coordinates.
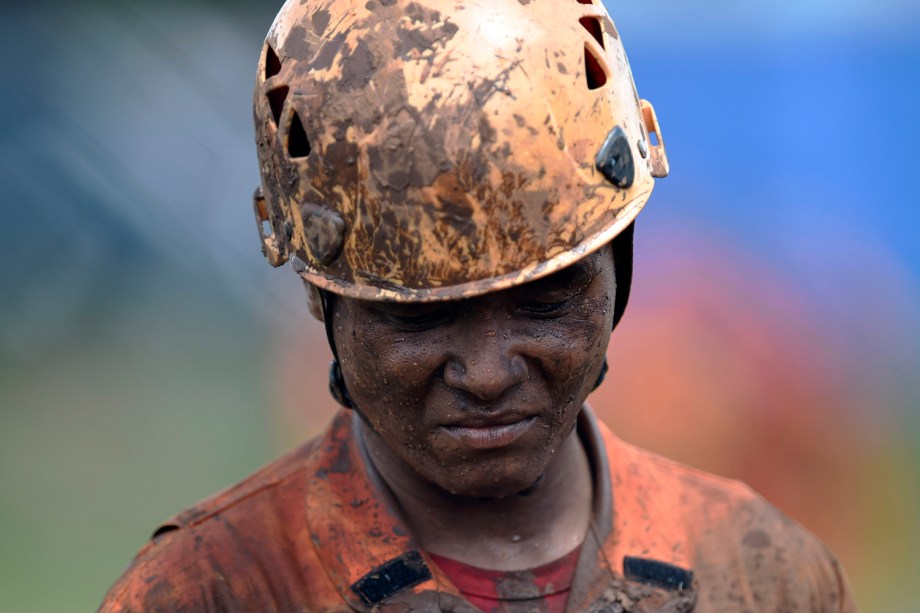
{"type": "Point", "coordinates": [149, 356]}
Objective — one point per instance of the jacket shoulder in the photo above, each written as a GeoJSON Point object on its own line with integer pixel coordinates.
{"type": "Point", "coordinates": [236, 547]}
{"type": "Point", "coordinates": [775, 563]}
{"type": "Point", "coordinates": [745, 553]}
{"type": "Point", "coordinates": [272, 475]}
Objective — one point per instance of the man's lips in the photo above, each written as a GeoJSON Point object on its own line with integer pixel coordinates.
{"type": "Point", "coordinates": [490, 433]}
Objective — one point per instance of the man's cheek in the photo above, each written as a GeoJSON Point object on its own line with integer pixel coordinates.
{"type": "Point", "coordinates": [582, 352]}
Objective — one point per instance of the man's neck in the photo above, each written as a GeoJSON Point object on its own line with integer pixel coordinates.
{"type": "Point", "coordinates": [516, 532]}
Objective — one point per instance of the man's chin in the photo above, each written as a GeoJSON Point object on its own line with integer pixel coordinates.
{"type": "Point", "coordinates": [492, 488]}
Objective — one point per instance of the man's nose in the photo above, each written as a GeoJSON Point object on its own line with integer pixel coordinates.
{"type": "Point", "coordinates": [486, 364]}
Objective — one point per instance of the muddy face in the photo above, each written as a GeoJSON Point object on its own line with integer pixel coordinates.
{"type": "Point", "coordinates": [478, 395]}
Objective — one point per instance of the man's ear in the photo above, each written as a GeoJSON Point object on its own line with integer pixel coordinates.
{"type": "Point", "coordinates": [314, 300]}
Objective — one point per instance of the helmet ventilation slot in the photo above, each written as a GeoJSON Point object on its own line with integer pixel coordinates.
{"type": "Point", "coordinates": [272, 63]}
{"type": "Point", "coordinates": [594, 71]}
{"type": "Point", "coordinates": [298, 145]}
{"type": "Point", "coordinates": [593, 26]}
{"type": "Point", "coordinates": [276, 98]}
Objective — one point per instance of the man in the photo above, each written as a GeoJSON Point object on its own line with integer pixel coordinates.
{"type": "Point", "coordinates": [456, 182]}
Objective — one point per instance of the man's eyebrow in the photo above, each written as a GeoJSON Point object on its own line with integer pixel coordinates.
{"type": "Point", "coordinates": [578, 274]}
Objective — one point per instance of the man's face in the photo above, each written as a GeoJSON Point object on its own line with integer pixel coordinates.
{"type": "Point", "coordinates": [478, 395]}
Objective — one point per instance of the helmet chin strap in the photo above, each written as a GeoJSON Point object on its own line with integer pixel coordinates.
{"type": "Point", "coordinates": [336, 380]}
{"type": "Point", "coordinates": [622, 248]}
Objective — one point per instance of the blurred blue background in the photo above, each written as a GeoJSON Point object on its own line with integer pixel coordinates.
{"type": "Point", "coordinates": [149, 355]}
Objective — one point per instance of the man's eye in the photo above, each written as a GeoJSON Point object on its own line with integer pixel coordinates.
{"type": "Point", "coordinates": [545, 309]}
{"type": "Point", "coordinates": [418, 321]}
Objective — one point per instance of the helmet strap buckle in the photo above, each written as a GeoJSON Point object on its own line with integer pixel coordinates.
{"type": "Point", "coordinates": [272, 248]}
{"type": "Point", "coordinates": [658, 158]}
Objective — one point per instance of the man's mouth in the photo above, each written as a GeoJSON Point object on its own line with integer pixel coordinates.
{"type": "Point", "coordinates": [490, 434]}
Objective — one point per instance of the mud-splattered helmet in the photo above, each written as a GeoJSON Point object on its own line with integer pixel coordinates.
{"type": "Point", "coordinates": [433, 150]}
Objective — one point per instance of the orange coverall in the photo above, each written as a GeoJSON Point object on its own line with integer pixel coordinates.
{"type": "Point", "coordinates": [317, 531]}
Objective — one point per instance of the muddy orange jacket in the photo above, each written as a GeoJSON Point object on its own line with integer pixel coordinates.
{"type": "Point", "coordinates": [316, 531]}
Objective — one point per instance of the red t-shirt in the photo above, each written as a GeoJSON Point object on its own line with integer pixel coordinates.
{"type": "Point", "coordinates": [544, 588]}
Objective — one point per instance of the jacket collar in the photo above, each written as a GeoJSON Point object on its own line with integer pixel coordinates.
{"type": "Point", "coordinates": [359, 536]}
{"type": "Point", "coordinates": [370, 555]}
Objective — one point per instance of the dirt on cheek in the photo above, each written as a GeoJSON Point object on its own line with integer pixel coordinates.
{"type": "Point", "coordinates": [384, 375]}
